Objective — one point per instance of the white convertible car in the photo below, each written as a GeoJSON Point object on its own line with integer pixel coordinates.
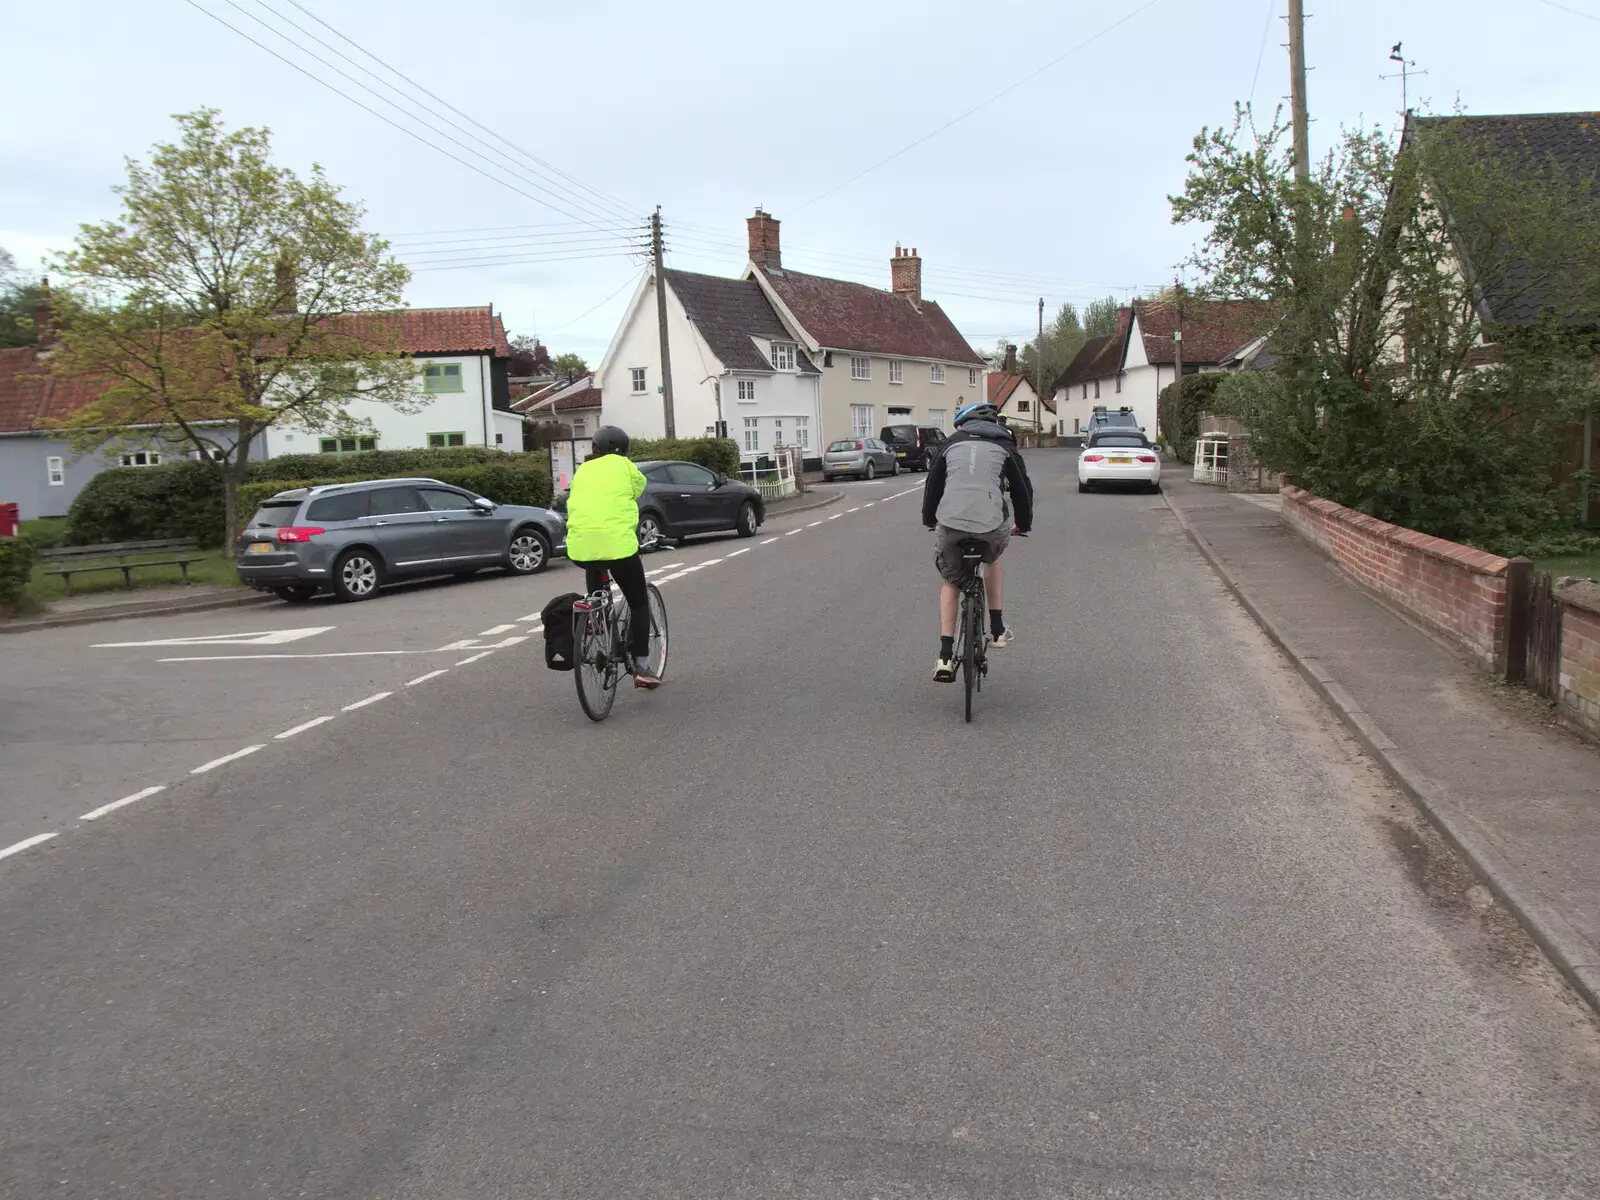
{"type": "Point", "coordinates": [1121, 456]}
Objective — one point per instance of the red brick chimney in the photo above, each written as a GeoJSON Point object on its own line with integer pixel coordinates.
{"type": "Point", "coordinates": [44, 317]}
{"type": "Point", "coordinates": [764, 251]}
{"type": "Point", "coordinates": [1010, 367]}
{"type": "Point", "coordinates": [905, 274]}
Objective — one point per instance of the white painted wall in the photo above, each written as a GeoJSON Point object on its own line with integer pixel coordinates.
{"type": "Point", "coordinates": [917, 392]}
{"type": "Point", "coordinates": [783, 396]}
{"type": "Point", "coordinates": [637, 343]}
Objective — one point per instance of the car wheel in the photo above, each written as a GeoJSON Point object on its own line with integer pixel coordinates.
{"type": "Point", "coordinates": [894, 468]}
{"type": "Point", "coordinates": [1155, 487]}
{"type": "Point", "coordinates": [748, 524]}
{"type": "Point", "coordinates": [295, 593]}
{"type": "Point", "coordinates": [827, 479]}
{"type": "Point", "coordinates": [650, 532]}
{"type": "Point", "coordinates": [871, 472]}
{"type": "Point", "coordinates": [529, 553]}
{"type": "Point", "coordinates": [356, 575]}
{"type": "Point", "coordinates": [1082, 486]}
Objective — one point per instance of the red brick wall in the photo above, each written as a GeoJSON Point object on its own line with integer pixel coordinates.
{"type": "Point", "coordinates": [1580, 653]}
{"type": "Point", "coordinates": [1454, 589]}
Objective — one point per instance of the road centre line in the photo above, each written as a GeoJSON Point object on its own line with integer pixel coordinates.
{"type": "Point", "coordinates": [428, 676]}
{"type": "Point", "coordinates": [497, 630]}
{"type": "Point", "coordinates": [25, 843]}
{"type": "Point", "coordinates": [835, 516]}
{"type": "Point", "coordinates": [868, 504]}
{"type": "Point", "coordinates": [792, 532]}
{"type": "Point", "coordinates": [670, 578]}
{"type": "Point", "coordinates": [736, 553]}
{"type": "Point", "coordinates": [857, 508]}
{"type": "Point", "coordinates": [769, 541]}
{"type": "Point", "coordinates": [813, 524]}
{"type": "Point", "coordinates": [311, 724]}
{"type": "Point", "coordinates": [339, 654]}
{"type": "Point", "coordinates": [372, 699]}
{"type": "Point", "coordinates": [474, 658]}
{"type": "Point", "coordinates": [123, 803]}
{"type": "Point", "coordinates": [225, 759]}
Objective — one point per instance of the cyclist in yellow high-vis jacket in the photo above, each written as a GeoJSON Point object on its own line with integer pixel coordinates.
{"type": "Point", "coordinates": [603, 536]}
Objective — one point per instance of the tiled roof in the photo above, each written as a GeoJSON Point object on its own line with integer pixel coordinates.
{"type": "Point", "coordinates": [477, 330]}
{"type": "Point", "coordinates": [561, 397]}
{"type": "Point", "coordinates": [1527, 144]}
{"type": "Point", "coordinates": [1002, 387]}
{"type": "Point", "coordinates": [728, 313]}
{"type": "Point", "coordinates": [31, 397]}
{"type": "Point", "coordinates": [1212, 329]}
{"type": "Point", "coordinates": [853, 316]}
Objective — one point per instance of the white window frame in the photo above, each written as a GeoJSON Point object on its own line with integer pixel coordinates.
{"type": "Point", "coordinates": [752, 435]}
{"type": "Point", "coordinates": [1097, 389]}
{"type": "Point", "coordinates": [747, 391]}
{"type": "Point", "coordinates": [640, 381]}
{"type": "Point", "coordinates": [860, 421]}
{"type": "Point", "coordinates": [861, 368]}
{"type": "Point", "coordinates": [938, 416]}
{"type": "Point", "coordinates": [152, 458]}
{"type": "Point", "coordinates": [55, 470]}
{"type": "Point", "coordinates": [783, 356]}
{"type": "Point", "coordinates": [897, 371]}
{"type": "Point", "coordinates": [972, 376]}
{"type": "Point", "coordinates": [936, 372]}
{"type": "Point", "coordinates": [1024, 406]}
{"type": "Point", "coordinates": [578, 427]}
{"type": "Point", "coordinates": [802, 433]}
{"type": "Point", "coordinates": [1119, 381]}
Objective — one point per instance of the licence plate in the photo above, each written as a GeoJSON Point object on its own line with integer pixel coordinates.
{"type": "Point", "coordinates": [260, 548]}
{"type": "Point", "coordinates": [900, 453]}
{"type": "Point", "coordinates": [1120, 461]}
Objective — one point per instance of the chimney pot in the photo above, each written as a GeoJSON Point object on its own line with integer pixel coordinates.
{"type": "Point", "coordinates": [905, 274]}
{"type": "Point", "coordinates": [765, 251]}
{"type": "Point", "coordinates": [1010, 367]}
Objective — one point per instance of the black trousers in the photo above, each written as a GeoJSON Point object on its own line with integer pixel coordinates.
{"type": "Point", "coordinates": [628, 575]}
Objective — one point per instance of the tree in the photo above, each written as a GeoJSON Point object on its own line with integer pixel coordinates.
{"type": "Point", "coordinates": [1386, 397]}
{"type": "Point", "coordinates": [1100, 317]}
{"type": "Point", "coordinates": [1063, 338]}
{"type": "Point", "coordinates": [19, 301]}
{"type": "Point", "coordinates": [221, 304]}
{"type": "Point", "coordinates": [529, 356]}
{"type": "Point", "coordinates": [571, 366]}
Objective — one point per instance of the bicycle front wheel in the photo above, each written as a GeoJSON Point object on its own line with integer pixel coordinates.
{"type": "Point", "coordinates": [971, 639]}
{"type": "Point", "coordinates": [658, 632]}
{"type": "Point", "coordinates": [595, 672]}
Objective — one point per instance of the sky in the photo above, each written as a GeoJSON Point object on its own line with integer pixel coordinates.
{"type": "Point", "coordinates": [1025, 148]}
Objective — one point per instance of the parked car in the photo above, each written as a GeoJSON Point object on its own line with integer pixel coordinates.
{"type": "Point", "coordinates": [916, 446]}
{"type": "Point", "coordinates": [1106, 418]}
{"type": "Point", "coordinates": [1119, 456]}
{"type": "Point", "coordinates": [352, 538]}
{"type": "Point", "coordinates": [683, 498]}
{"type": "Point", "coordinates": [861, 457]}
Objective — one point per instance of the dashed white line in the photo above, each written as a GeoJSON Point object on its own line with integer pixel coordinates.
{"type": "Point", "coordinates": [497, 630]}
{"type": "Point", "coordinates": [226, 758]}
{"type": "Point", "coordinates": [474, 658]}
{"type": "Point", "coordinates": [25, 843]}
{"type": "Point", "coordinates": [835, 516]}
{"type": "Point", "coordinates": [123, 803]}
{"type": "Point", "coordinates": [857, 508]}
{"type": "Point", "coordinates": [868, 504]}
{"type": "Point", "coordinates": [813, 524]}
{"type": "Point", "coordinates": [769, 541]}
{"type": "Point", "coordinates": [428, 676]}
{"type": "Point", "coordinates": [655, 571]}
{"type": "Point", "coordinates": [311, 724]}
{"type": "Point", "coordinates": [792, 532]}
{"type": "Point", "coordinates": [510, 641]}
{"type": "Point", "coordinates": [736, 553]}
{"type": "Point", "coordinates": [670, 578]}
{"type": "Point", "coordinates": [538, 616]}
{"type": "Point", "coordinates": [372, 699]}
{"type": "Point", "coordinates": [710, 562]}
{"type": "Point", "coordinates": [465, 643]}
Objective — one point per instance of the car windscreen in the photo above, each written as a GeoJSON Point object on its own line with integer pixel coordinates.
{"type": "Point", "coordinates": [274, 514]}
{"type": "Point", "coordinates": [852, 444]}
{"type": "Point", "coordinates": [1120, 440]}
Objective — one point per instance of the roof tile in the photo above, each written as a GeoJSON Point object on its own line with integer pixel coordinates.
{"type": "Point", "coordinates": [852, 316]}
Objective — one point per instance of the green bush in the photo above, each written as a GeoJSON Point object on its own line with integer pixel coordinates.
{"type": "Point", "coordinates": [519, 482]}
{"type": "Point", "coordinates": [136, 504]}
{"type": "Point", "coordinates": [376, 464]}
{"type": "Point", "coordinates": [17, 556]}
{"type": "Point", "coordinates": [1178, 410]}
{"type": "Point", "coordinates": [715, 454]}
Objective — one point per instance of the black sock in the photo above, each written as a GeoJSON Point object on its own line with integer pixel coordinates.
{"type": "Point", "coordinates": [997, 624]}
{"type": "Point", "coordinates": [947, 649]}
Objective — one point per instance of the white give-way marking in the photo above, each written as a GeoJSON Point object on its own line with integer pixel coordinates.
{"type": "Point", "coordinates": [275, 637]}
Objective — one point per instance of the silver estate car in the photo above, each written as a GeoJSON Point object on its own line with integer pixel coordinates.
{"type": "Point", "coordinates": [862, 457]}
{"type": "Point", "coordinates": [351, 538]}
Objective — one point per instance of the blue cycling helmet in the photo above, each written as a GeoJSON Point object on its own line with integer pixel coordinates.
{"type": "Point", "coordinates": [978, 410]}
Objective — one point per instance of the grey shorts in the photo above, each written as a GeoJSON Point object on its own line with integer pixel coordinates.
{"type": "Point", "coordinates": [947, 548]}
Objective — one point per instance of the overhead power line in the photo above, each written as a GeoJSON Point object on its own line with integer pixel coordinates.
{"type": "Point", "coordinates": [588, 311]}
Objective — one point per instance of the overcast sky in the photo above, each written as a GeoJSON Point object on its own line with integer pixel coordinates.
{"type": "Point", "coordinates": [1057, 188]}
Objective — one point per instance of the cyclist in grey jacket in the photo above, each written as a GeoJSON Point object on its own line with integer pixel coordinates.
{"type": "Point", "coordinates": [977, 490]}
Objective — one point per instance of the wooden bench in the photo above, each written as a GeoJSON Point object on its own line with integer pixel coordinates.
{"type": "Point", "coordinates": [128, 556]}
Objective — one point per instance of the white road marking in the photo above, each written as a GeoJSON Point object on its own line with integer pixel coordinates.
{"type": "Point", "coordinates": [428, 676]}
{"type": "Point", "coordinates": [465, 643]}
{"type": "Point", "coordinates": [372, 699]}
{"type": "Point", "coordinates": [311, 724]}
{"type": "Point", "coordinates": [670, 578]}
{"type": "Point", "coordinates": [272, 638]}
{"type": "Point", "coordinates": [538, 616]}
{"type": "Point", "coordinates": [792, 532]}
{"type": "Point", "coordinates": [654, 571]}
{"type": "Point", "coordinates": [813, 524]}
{"type": "Point", "coordinates": [510, 641]}
{"type": "Point", "coordinates": [226, 758]}
{"type": "Point", "coordinates": [123, 803]}
{"type": "Point", "coordinates": [868, 504]}
{"type": "Point", "coordinates": [769, 541]}
{"type": "Point", "coordinates": [337, 654]}
{"type": "Point", "coordinates": [835, 516]}
{"type": "Point", "coordinates": [474, 658]}
{"type": "Point", "coordinates": [497, 630]}
{"type": "Point", "coordinates": [25, 843]}
{"type": "Point", "coordinates": [710, 562]}
{"type": "Point", "coordinates": [736, 553]}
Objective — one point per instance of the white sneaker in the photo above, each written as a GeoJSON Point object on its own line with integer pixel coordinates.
{"type": "Point", "coordinates": [1004, 639]}
{"type": "Point", "coordinates": [944, 671]}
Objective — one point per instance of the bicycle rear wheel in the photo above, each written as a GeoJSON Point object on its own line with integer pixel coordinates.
{"type": "Point", "coordinates": [658, 632]}
{"type": "Point", "coordinates": [596, 668]}
{"type": "Point", "coordinates": [971, 637]}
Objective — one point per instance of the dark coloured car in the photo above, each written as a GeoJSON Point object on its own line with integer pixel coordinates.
{"type": "Point", "coordinates": [351, 538]}
{"type": "Point", "coordinates": [916, 446]}
{"type": "Point", "coordinates": [682, 499]}
{"type": "Point", "coordinates": [1121, 419]}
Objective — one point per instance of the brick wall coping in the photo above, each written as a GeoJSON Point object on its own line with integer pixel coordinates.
{"type": "Point", "coordinates": [1580, 593]}
{"type": "Point", "coordinates": [1479, 562]}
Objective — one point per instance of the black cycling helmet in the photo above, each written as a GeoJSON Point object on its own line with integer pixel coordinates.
{"type": "Point", "coordinates": [608, 439]}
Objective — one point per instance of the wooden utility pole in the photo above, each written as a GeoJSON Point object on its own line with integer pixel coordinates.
{"type": "Point", "coordinates": [1038, 369]}
{"type": "Point", "coordinates": [661, 321]}
{"type": "Point", "coordinates": [1177, 354]}
{"type": "Point", "coordinates": [1297, 89]}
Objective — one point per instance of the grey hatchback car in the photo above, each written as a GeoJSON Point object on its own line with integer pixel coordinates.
{"type": "Point", "coordinates": [351, 538]}
{"type": "Point", "coordinates": [863, 457]}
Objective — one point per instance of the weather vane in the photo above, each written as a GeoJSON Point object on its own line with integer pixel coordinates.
{"type": "Point", "coordinates": [1405, 73]}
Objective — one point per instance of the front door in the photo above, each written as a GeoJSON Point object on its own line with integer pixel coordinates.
{"type": "Point", "coordinates": [467, 534]}
{"type": "Point", "coordinates": [404, 530]}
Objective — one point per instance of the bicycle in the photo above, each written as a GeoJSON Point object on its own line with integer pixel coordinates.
{"type": "Point", "coordinates": [972, 621]}
{"type": "Point", "coordinates": [600, 645]}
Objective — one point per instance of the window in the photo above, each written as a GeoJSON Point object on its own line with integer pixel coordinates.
{"type": "Point", "coordinates": [861, 368]}
{"type": "Point", "coordinates": [347, 445]}
{"type": "Point", "coordinates": [1086, 391]}
{"type": "Point", "coordinates": [1097, 389]}
{"type": "Point", "coordinates": [783, 356]}
{"type": "Point", "coordinates": [55, 469]}
{"type": "Point", "coordinates": [827, 358]}
{"type": "Point", "coordinates": [897, 371]}
{"type": "Point", "coordinates": [937, 372]}
{"type": "Point", "coordinates": [393, 502]}
{"type": "Point", "coordinates": [142, 458]}
{"type": "Point", "coordinates": [210, 452]}
{"type": "Point", "coordinates": [348, 506]}
{"type": "Point", "coordinates": [441, 377]}
{"type": "Point", "coordinates": [802, 432]}
{"type": "Point", "coordinates": [444, 441]}
{"type": "Point", "coordinates": [443, 500]}
{"type": "Point", "coordinates": [777, 432]}
{"type": "Point", "coordinates": [937, 416]}
{"type": "Point", "coordinates": [861, 420]}
{"type": "Point", "coordinates": [1023, 406]}
{"type": "Point", "coordinates": [752, 434]}
{"type": "Point", "coordinates": [578, 427]}
{"type": "Point", "coordinates": [688, 475]}
{"type": "Point", "coordinates": [1076, 426]}
{"type": "Point", "coordinates": [972, 376]}
{"type": "Point", "coordinates": [747, 391]}
{"type": "Point", "coordinates": [1119, 381]}
{"type": "Point", "coordinates": [638, 380]}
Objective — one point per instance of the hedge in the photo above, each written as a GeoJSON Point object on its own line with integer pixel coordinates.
{"type": "Point", "coordinates": [504, 483]}
{"type": "Point", "coordinates": [1178, 410]}
{"type": "Point", "coordinates": [137, 504]}
{"type": "Point", "coordinates": [17, 556]}
{"type": "Point", "coordinates": [375, 464]}
{"type": "Point", "coordinates": [716, 454]}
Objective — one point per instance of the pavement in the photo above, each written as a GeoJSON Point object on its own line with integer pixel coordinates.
{"type": "Point", "coordinates": [1489, 765]}
{"type": "Point", "coordinates": [1152, 926]}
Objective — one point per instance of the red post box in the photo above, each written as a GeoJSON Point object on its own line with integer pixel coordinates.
{"type": "Point", "coordinates": [10, 525]}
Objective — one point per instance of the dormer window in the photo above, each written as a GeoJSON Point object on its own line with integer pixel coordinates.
{"type": "Point", "coordinates": [783, 356]}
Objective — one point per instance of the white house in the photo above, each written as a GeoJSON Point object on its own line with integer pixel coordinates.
{"type": "Point", "coordinates": [1011, 391]}
{"type": "Point", "coordinates": [733, 361]}
{"type": "Point", "coordinates": [574, 403]}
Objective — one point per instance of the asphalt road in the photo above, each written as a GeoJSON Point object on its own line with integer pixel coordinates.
{"type": "Point", "coordinates": [1149, 927]}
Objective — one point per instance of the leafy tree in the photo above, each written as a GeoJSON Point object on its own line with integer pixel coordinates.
{"type": "Point", "coordinates": [217, 305]}
{"type": "Point", "coordinates": [19, 301]}
{"type": "Point", "coordinates": [571, 366]}
{"type": "Point", "coordinates": [1386, 398]}
{"type": "Point", "coordinates": [529, 356]}
{"type": "Point", "coordinates": [1100, 317]}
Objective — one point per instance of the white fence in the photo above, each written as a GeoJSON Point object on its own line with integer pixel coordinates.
{"type": "Point", "coordinates": [1211, 458]}
{"type": "Point", "coordinates": [772, 474]}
